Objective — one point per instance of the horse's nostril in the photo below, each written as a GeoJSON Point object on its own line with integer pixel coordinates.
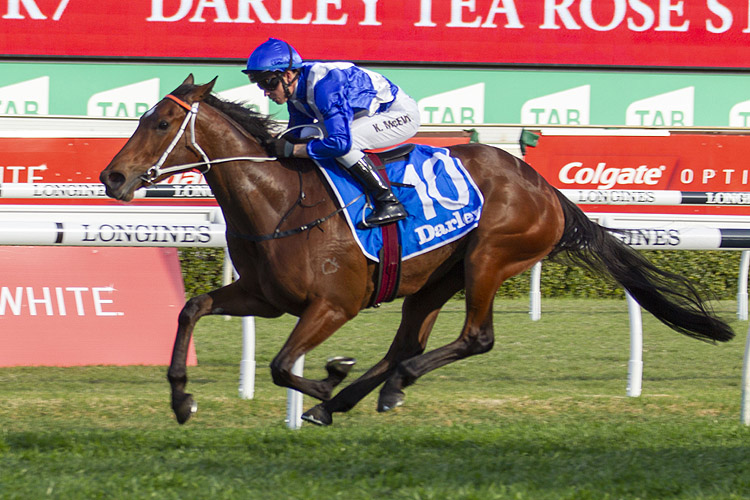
{"type": "Point", "coordinates": [113, 179]}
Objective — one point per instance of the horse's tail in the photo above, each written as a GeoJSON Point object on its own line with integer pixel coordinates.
{"type": "Point", "coordinates": [668, 296]}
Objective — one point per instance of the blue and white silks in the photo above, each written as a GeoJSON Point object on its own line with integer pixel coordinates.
{"type": "Point", "coordinates": [332, 94]}
{"type": "Point", "coordinates": [442, 200]}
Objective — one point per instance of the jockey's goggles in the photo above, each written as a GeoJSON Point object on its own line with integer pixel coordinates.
{"type": "Point", "coordinates": [266, 80]}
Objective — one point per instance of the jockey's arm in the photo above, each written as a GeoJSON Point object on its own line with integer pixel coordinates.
{"type": "Point", "coordinates": [336, 112]}
{"type": "Point", "coordinates": [337, 141]}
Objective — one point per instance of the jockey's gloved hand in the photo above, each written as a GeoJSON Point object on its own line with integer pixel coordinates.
{"type": "Point", "coordinates": [283, 148]}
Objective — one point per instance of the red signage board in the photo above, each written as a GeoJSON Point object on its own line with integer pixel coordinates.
{"type": "Point", "coordinates": [678, 33]}
{"type": "Point", "coordinates": [677, 162]}
{"type": "Point", "coordinates": [73, 160]}
{"type": "Point", "coordinates": [76, 160]}
{"type": "Point", "coordinates": [70, 306]}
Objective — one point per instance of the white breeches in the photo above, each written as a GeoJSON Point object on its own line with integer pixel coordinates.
{"type": "Point", "coordinates": [381, 130]}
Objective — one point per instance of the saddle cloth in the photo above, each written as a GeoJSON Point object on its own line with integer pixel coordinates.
{"type": "Point", "coordinates": [442, 199]}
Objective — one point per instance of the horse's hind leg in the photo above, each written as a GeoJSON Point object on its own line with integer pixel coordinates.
{"type": "Point", "coordinates": [486, 273]}
{"type": "Point", "coordinates": [231, 300]}
{"type": "Point", "coordinates": [419, 313]}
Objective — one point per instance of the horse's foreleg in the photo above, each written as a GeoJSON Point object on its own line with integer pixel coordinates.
{"type": "Point", "coordinates": [231, 300]}
{"type": "Point", "coordinates": [318, 322]}
{"type": "Point", "coordinates": [419, 313]}
{"type": "Point", "coordinates": [183, 404]}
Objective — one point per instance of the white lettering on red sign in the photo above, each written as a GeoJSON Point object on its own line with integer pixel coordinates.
{"type": "Point", "coordinates": [21, 173]}
{"type": "Point", "coordinates": [670, 12]}
{"type": "Point", "coordinates": [604, 177]}
{"type": "Point", "coordinates": [635, 15]}
{"type": "Point", "coordinates": [56, 301]}
{"type": "Point", "coordinates": [186, 178]}
{"type": "Point", "coordinates": [727, 176]}
{"type": "Point", "coordinates": [32, 10]}
{"type": "Point", "coordinates": [327, 12]}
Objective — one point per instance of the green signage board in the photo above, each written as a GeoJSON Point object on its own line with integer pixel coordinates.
{"type": "Point", "coordinates": [462, 97]}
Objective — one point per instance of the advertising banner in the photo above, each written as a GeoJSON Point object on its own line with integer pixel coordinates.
{"type": "Point", "coordinates": [69, 306]}
{"type": "Point", "coordinates": [60, 161]}
{"type": "Point", "coordinates": [712, 165]}
{"type": "Point", "coordinates": [458, 97]}
{"type": "Point", "coordinates": [664, 33]}
{"type": "Point", "coordinates": [52, 164]}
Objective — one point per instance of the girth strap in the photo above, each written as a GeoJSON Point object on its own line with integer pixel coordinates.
{"type": "Point", "coordinates": [389, 267]}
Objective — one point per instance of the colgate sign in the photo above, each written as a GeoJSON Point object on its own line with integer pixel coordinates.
{"type": "Point", "coordinates": [576, 174]}
{"type": "Point", "coordinates": [676, 162]}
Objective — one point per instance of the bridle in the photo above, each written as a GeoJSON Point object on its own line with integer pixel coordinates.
{"type": "Point", "coordinates": [157, 170]}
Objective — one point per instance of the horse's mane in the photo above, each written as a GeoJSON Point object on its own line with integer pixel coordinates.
{"type": "Point", "coordinates": [256, 124]}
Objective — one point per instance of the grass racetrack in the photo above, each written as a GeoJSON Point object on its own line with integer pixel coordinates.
{"type": "Point", "coordinates": [544, 415]}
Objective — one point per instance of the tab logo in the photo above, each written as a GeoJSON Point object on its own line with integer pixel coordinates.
{"type": "Point", "coordinates": [130, 101]}
{"type": "Point", "coordinates": [250, 95]}
{"type": "Point", "coordinates": [739, 115]}
{"type": "Point", "coordinates": [568, 107]}
{"type": "Point", "coordinates": [25, 98]}
{"type": "Point", "coordinates": [671, 109]}
{"type": "Point", "coordinates": [460, 106]}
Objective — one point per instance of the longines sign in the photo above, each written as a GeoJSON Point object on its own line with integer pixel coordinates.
{"type": "Point", "coordinates": [677, 33]}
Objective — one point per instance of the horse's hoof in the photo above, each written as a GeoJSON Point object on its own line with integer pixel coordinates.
{"type": "Point", "coordinates": [390, 400]}
{"type": "Point", "coordinates": [318, 415]}
{"type": "Point", "coordinates": [339, 366]}
{"type": "Point", "coordinates": [184, 407]}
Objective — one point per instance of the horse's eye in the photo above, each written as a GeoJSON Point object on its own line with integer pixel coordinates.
{"type": "Point", "coordinates": [163, 125]}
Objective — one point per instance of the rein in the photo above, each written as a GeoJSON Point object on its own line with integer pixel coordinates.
{"type": "Point", "coordinates": [157, 169]}
{"type": "Point", "coordinates": [277, 234]}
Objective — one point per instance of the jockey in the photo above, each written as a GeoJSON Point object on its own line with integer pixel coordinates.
{"type": "Point", "coordinates": [358, 109]}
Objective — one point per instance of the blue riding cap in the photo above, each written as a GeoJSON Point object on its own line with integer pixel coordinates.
{"type": "Point", "coordinates": [273, 55]}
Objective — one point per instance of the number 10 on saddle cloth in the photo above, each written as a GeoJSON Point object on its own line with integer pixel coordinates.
{"type": "Point", "coordinates": [442, 200]}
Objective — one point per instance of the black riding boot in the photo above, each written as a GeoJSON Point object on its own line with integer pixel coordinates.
{"type": "Point", "coordinates": [387, 207]}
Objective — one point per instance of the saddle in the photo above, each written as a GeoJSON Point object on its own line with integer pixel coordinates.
{"type": "Point", "coordinates": [394, 154]}
{"type": "Point", "coordinates": [443, 203]}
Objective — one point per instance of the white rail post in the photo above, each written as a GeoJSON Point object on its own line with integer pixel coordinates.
{"type": "Point", "coordinates": [742, 285]}
{"type": "Point", "coordinates": [247, 363]}
{"type": "Point", "coordinates": [635, 365]}
{"type": "Point", "coordinates": [294, 398]}
{"type": "Point", "coordinates": [227, 273]}
{"type": "Point", "coordinates": [535, 292]}
{"type": "Point", "coordinates": [745, 404]}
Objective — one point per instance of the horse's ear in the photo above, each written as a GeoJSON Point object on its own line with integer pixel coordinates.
{"type": "Point", "coordinates": [189, 80]}
{"type": "Point", "coordinates": [203, 90]}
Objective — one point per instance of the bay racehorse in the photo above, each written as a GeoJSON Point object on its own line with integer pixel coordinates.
{"type": "Point", "coordinates": [320, 274]}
